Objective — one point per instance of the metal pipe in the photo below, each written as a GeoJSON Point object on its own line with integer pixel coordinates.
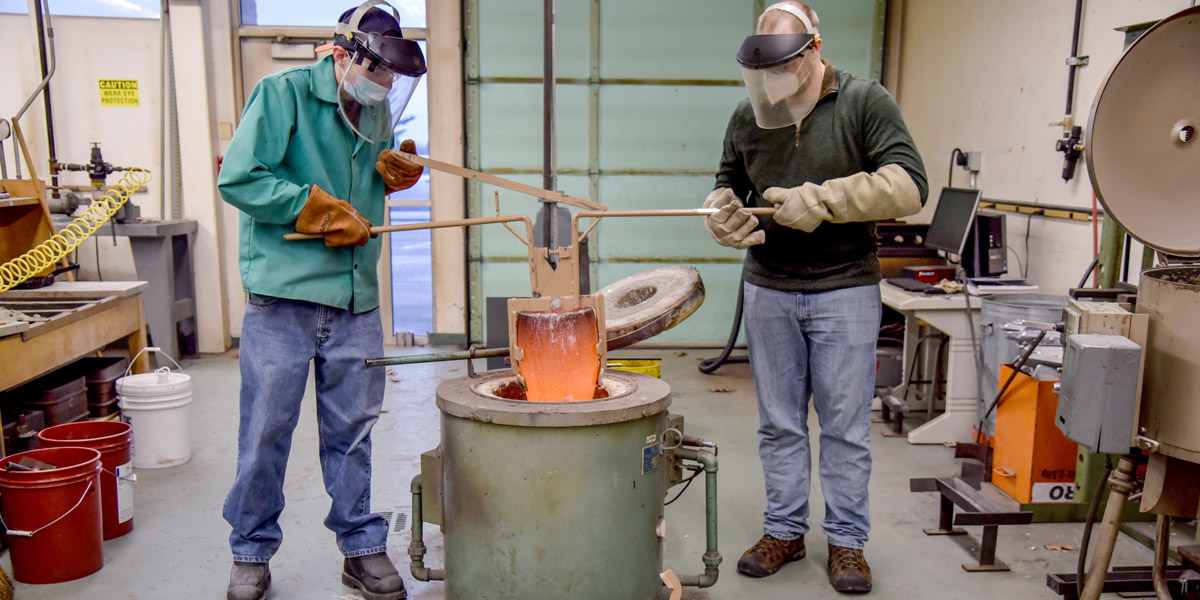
{"type": "Point", "coordinates": [1121, 483]}
{"type": "Point", "coordinates": [712, 557]}
{"type": "Point", "coordinates": [414, 359]}
{"type": "Point", "coordinates": [1162, 545]}
{"type": "Point", "coordinates": [416, 546]}
{"type": "Point", "coordinates": [43, 34]}
{"type": "Point", "coordinates": [549, 155]}
{"type": "Point", "coordinates": [665, 212]}
{"type": "Point", "coordinates": [429, 225]}
{"type": "Point", "coordinates": [45, 79]}
{"type": "Point", "coordinates": [1073, 65]}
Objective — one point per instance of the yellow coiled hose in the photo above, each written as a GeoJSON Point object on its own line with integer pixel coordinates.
{"type": "Point", "coordinates": [49, 252]}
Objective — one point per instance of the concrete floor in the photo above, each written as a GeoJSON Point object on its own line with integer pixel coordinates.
{"type": "Point", "coordinates": [178, 548]}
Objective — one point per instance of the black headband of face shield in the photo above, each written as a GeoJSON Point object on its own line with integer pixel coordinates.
{"type": "Point", "coordinates": [771, 50]}
{"type": "Point", "coordinates": [398, 54]}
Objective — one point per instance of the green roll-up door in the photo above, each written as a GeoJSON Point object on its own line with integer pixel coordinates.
{"type": "Point", "coordinates": [644, 92]}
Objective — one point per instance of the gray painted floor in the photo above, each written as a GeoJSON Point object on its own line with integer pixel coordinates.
{"type": "Point", "coordinates": [178, 547]}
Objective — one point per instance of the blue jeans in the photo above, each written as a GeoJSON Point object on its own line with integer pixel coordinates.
{"type": "Point", "coordinates": [280, 338]}
{"type": "Point", "coordinates": [819, 344]}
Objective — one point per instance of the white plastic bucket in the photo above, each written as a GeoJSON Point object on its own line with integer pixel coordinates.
{"type": "Point", "coordinates": [156, 406]}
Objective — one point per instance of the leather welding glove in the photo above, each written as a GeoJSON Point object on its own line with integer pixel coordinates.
{"type": "Point", "coordinates": [399, 173]}
{"type": "Point", "coordinates": [334, 219]}
{"type": "Point", "coordinates": [885, 194]}
{"type": "Point", "coordinates": [732, 226]}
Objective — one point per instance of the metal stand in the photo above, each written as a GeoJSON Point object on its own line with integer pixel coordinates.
{"type": "Point", "coordinates": [963, 492]}
{"type": "Point", "coordinates": [1183, 583]}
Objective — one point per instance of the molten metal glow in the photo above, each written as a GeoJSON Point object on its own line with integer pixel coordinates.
{"type": "Point", "coordinates": [560, 359]}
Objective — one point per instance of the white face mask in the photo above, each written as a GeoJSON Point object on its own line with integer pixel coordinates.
{"type": "Point", "coordinates": [366, 92]}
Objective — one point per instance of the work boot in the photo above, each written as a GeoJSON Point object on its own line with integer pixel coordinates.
{"type": "Point", "coordinates": [848, 570]}
{"type": "Point", "coordinates": [769, 554]}
{"type": "Point", "coordinates": [248, 581]}
{"type": "Point", "coordinates": [375, 576]}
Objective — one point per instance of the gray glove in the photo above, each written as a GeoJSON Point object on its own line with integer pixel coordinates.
{"type": "Point", "coordinates": [732, 226]}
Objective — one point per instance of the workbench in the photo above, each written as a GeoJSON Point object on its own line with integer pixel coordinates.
{"type": "Point", "coordinates": [947, 314]}
{"type": "Point", "coordinates": [87, 316]}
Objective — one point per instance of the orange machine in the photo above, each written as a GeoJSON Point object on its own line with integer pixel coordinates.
{"type": "Point", "coordinates": [1033, 461]}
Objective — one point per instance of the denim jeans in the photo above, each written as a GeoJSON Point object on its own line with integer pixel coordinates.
{"type": "Point", "coordinates": [280, 338]}
{"type": "Point", "coordinates": [820, 344]}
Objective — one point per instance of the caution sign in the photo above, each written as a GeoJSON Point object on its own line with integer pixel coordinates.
{"type": "Point", "coordinates": [118, 92]}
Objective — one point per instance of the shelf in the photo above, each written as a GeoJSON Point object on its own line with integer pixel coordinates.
{"type": "Point", "coordinates": [11, 202]}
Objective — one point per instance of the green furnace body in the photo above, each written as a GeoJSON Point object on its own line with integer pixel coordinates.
{"type": "Point", "coordinates": [550, 499]}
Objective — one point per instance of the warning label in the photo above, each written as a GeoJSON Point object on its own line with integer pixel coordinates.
{"type": "Point", "coordinates": [118, 92]}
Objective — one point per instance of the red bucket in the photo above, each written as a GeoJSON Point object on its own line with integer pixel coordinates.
{"type": "Point", "coordinates": [114, 441]}
{"type": "Point", "coordinates": [53, 516]}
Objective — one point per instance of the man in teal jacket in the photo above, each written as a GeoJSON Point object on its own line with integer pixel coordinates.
{"type": "Point", "coordinates": [313, 154]}
{"type": "Point", "coordinates": [832, 152]}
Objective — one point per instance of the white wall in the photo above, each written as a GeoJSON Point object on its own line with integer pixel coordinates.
{"type": "Point", "coordinates": [127, 135]}
{"type": "Point", "coordinates": [991, 76]}
{"type": "Point", "coordinates": [89, 49]}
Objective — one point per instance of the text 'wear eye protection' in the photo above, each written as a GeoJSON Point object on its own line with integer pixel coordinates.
{"type": "Point", "coordinates": [379, 80]}
{"type": "Point", "coordinates": [776, 67]}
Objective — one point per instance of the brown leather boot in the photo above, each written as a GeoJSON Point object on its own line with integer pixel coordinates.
{"type": "Point", "coordinates": [848, 570]}
{"type": "Point", "coordinates": [769, 554]}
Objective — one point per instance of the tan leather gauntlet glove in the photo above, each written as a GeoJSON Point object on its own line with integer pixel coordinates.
{"type": "Point", "coordinates": [334, 219]}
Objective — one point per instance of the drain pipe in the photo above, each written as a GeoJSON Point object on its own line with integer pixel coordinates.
{"type": "Point", "coordinates": [1121, 483]}
{"type": "Point", "coordinates": [1162, 545]}
{"type": "Point", "coordinates": [416, 547]}
{"type": "Point", "coordinates": [711, 558]}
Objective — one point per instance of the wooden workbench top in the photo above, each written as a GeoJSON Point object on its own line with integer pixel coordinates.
{"type": "Point", "coordinates": [62, 290]}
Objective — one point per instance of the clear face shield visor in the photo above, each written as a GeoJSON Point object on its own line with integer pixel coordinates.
{"type": "Point", "coordinates": [378, 82]}
{"type": "Point", "coordinates": [776, 68]}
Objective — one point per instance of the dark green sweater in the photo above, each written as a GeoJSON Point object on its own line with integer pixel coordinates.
{"type": "Point", "coordinates": [855, 127]}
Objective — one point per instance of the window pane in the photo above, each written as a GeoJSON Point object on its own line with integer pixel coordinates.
{"type": "Point", "coordinates": [136, 9]}
{"type": "Point", "coordinates": [318, 13]}
{"type": "Point", "coordinates": [412, 273]}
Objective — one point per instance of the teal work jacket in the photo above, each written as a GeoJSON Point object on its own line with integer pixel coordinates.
{"type": "Point", "coordinates": [291, 138]}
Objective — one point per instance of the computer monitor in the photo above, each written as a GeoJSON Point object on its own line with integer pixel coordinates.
{"type": "Point", "coordinates": [953, 220]}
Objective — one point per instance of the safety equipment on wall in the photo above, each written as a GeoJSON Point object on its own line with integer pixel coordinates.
{"type": "Point", "coordinates": [381, 74]}
{"type": "Point", "coordinates": [49, 252]}
{"type": "Point", "coordinates": [776, 68]}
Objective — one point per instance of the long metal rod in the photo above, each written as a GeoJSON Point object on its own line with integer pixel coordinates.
{"type": "Point", "coordinates": [415, 359]}
{"type": "Point", "coordinates": [665, 212]}
{"type": "Point", "coordinates": [471, 174]}
{"type": "Point", "coordinates": [549, 154]}
{"type": "Point", "coordinates": [291, 237]}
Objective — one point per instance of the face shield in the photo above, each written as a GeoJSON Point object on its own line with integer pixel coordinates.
{"type": "Point", "coordinates": [378, 80]}
{"type": "Point", "coordinates": [776, 68]}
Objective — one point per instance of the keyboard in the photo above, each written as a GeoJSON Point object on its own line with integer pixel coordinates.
{"type": "Point", "coordinates": [909, 284]}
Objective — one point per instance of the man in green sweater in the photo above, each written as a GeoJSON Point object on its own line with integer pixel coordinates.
{"type": "Point", "coordinates": [831, 151]}
{"type": "Point", "coordinates": [313, 154]}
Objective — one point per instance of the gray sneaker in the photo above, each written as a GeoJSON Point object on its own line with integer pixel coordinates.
{"type": "Point", "coordinates": [248, 581]}
{"type": "Point", "coordinates": [375, 576]}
